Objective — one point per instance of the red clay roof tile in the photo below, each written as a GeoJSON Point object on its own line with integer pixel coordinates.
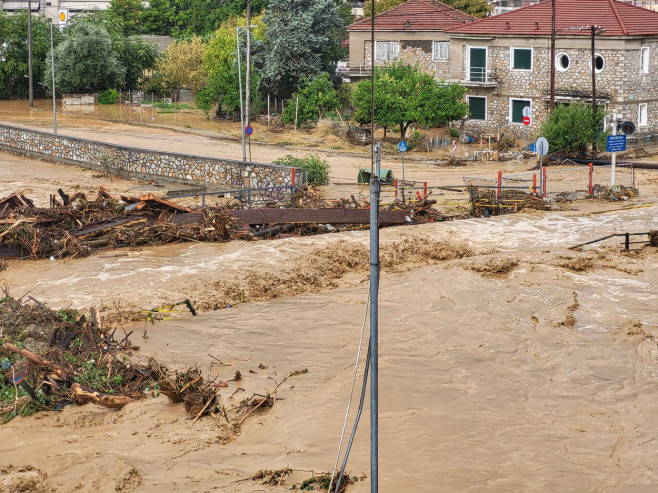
{"type": "Point", "coordinates": [617, 18]}
{"type": "Point", "coordinates": [415, 15]}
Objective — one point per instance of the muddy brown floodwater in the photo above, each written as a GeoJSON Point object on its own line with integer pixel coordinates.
{"type": "Point", "coordinates": [507, 361]}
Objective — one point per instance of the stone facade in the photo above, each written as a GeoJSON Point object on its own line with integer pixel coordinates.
{"type": "Point", "coordinates": [415, 48]}
{"type": "Point", "coordinates": [620, 86]}
{"type": "Point", "coordinates": [221, 174]}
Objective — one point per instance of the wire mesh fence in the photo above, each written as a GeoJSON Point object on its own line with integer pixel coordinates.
{"type": "Point", "coordinates": [512, 192]}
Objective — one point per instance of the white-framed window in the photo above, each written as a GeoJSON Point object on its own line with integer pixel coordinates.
{"type": "Point", "coordinates": [599, 60]}
{"type": "Point", "coordinates": [440, 51]}
{"type": "Point", "coordinates": [642, 117]}
{"type": "Point", "coordinates": [476, 63]}
{"type": "Point", "coordinates": [477, 107]}
{"type": "Point", "coordinates": [562, 62]}
{"type": "Point", "coordinates": [520, 58]}
{"type": "Point", "coordinates": [516, 107]}
{"type": "Point", "coordinates": [386, 50]}
{"type": "Point", "coordinates": [644, 59]}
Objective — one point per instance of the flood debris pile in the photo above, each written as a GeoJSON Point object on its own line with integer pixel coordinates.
{"type": "Point", "coordinates": [78, 226]}
{"type": "Point", "coordinates": [51, 359]}
{"type": "Point", "coordinates": [487, 202]}
{"type": "Point", "coordinates": [614, 193]}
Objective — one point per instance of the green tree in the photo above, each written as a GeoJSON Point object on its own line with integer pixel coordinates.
{"type": "Point", "coordinates": [85, 61]}
{"type": "Point", "coordinates": [182, 65]}
{"type": "Point", "coordinates": [571, 128]}
{"type": "Point", "coordinates": [303, 38]}
{"type": "Point", "coordinates": [14, 53]}
{"type": "Point", "coordinates": [136, 55]}
{"type": "Point", "coordinates": [220, 61]}
{"type": "Point", "coordinates": [201, 17]}
{"type": "Point", "coordinates": [316, 97]}
{"type": "Point", "coordinates": [129, 13]}
{"type": "Point", "coordinates": [405, 95]}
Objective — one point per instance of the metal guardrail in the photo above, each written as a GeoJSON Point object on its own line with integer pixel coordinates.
{"type": "Point", "coordinates": [627, 240]}
{"type": "Point", "coordinates": [250, 195]}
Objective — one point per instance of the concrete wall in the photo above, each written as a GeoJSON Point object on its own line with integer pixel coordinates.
{"type": "Point", "coordinates": [221, 174]}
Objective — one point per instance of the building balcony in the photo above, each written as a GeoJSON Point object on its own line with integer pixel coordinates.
{"type": "Point", "coordinates": [476, 77]}
{"type": "Point", "coordinates": [353, 69]}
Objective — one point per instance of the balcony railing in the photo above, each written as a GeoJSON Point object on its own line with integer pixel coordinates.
{"type": "Point", "coordinates": [476, 76]}
{"type": "Point", "coordinates": [353, 69]}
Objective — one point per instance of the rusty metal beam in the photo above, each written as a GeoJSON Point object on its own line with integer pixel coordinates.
{"type": "Point", "coordinates": [305, 216]}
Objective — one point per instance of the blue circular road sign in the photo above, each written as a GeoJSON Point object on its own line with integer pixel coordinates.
{"type": "Point", "coordinates": [248, 130]}
{"type": "Point", "coordinates": [402, 146]}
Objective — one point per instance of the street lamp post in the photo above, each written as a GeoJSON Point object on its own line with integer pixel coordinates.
{"type": "Point", "coordinates": [52, 61]}
{"type": "Point", "coordinates": [237, 36]}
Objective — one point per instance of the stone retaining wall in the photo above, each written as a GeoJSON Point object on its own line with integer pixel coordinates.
{"type": "Point", "coordinates": [134, 162]}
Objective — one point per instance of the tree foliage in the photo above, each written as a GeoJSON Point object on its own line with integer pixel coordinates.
{"type": "Point", "coordinates": [85, 61]}
{"type": "Point", "coordinates": [220, 61]}
{"type": "Point", "coordinates": [571, 128]}
{"type": "Point", "coordinates": [14, 53]}
{"type": "Point", "coordinates": [182, 65]}
{"type": "Point", "coordinates": [202, 17]}
{"type": "Point", "coordinates": [405, 95]}
{"type": "Point", "coordinates": [316, 97]}
{"type": "Point", "coordinates": [303, 40]}
{"type": "Point", "coordinates": [476, 8]}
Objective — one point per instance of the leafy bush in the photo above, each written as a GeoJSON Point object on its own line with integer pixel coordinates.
{"type": "Point", "coordinates": [571, 128]}
{"type": "Point", "coordinates": [316, 98]}
{"type": "Point", "coordinates": [318, 169]}
{"type": "Point", "coordinates": [108, 96]}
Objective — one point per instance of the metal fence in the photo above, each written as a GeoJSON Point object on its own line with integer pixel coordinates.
{"type": "Point", "coordinates": [249, 196]}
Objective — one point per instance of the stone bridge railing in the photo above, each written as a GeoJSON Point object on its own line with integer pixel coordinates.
{"type": "Point", "coordinates": [145, 163]}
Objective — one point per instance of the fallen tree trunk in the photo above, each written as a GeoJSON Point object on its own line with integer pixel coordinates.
{"type": "Point", "coordinates": [38, 360]}
{"type": "Point", "coordinates": [83, 395]}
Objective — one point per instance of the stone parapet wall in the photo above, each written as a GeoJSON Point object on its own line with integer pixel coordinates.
{"type": "Point", "coordinates": [134, 162]}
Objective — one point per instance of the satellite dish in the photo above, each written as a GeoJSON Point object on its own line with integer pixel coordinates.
{"type": "Point", "coordinates": [628, 128]}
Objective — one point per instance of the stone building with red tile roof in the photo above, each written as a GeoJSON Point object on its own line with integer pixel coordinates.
{"type": "Point", "coordinates": [505, 62]}
{"type": "Point", "coordinates": [413, 32]}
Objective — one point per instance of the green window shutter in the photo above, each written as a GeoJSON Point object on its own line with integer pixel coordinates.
{"type": "Point", "coordinates": [477, 107]}
{"type": "Point", "coordinates": [522, 59]}
{"type": "Point", "coordinates": [517, 109]}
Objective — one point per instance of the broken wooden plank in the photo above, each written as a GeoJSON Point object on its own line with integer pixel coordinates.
{"type": "Point", "coordinates": [103, 225]}
{"type": "Point", "coordinates": [14, 201]}
{"type": "Point", "coordinates": [153, 200]}
{"type": "Point", "coordinates": [310, 216]}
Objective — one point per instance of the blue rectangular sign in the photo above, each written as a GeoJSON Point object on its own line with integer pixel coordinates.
{"type": "Point", "coordinates": [616, 143]}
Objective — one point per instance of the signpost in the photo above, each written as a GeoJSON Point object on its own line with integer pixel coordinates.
{"type": "Point", "coordinates": [542, 149]}
{"type": "Point", "coordinates": [248, 130]}
{"type": "Point", "coordinates": [402, 147]}
{"type": "Point", "coordinates": [527, 115]}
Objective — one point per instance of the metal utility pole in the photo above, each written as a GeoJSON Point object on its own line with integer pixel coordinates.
{"type": "Point", "coordinates": [552, 83]}
{"type": "Point", "coordinates": [248, 75]}
{"type": "Point", "coordinates": [30, 75]}
{"type": "Point", "coordinates": [374, 274]}
{"type": "Point", "coordinates": [244, 150]}
{"type": "Point", "coordinates": [375, 189]}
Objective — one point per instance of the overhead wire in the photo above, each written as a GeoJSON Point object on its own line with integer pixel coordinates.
{"type": "Point", "coordinates": [349, 402]}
